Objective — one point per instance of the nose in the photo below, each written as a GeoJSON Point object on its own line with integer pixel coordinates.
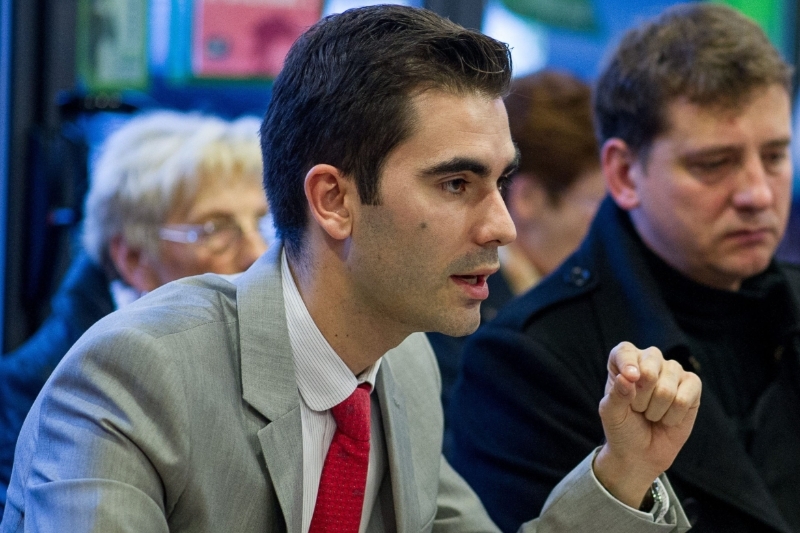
{"type": "Point", "coordinates": [496, 227]}
{"type": "Point", "coordinates": [251, 247]}
{"type": "Point", "coordinates": [754, 188]}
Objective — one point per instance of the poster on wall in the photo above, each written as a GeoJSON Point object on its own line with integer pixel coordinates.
{"type": "Point", "coordinates": [570, 14]}
{"type": "Point", "coordinates": [112, 44]}
{"type": "Point", "coordinates": [247, 38]}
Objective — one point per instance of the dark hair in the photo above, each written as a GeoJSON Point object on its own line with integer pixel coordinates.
{"type": "Point", "coordinates": [344, 97]}
{"type": "Point", "coordinates": [708, 53]}
{"type": "Point", "coordinates": [550, 115]}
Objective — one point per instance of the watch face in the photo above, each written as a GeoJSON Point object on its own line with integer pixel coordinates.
{"type": "Point", "coordinates": [660, 500]}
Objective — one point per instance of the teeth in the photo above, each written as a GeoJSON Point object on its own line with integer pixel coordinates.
{"type": "Point", "coordinates": [472, 280]}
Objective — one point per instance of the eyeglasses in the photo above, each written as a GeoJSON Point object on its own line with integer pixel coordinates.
{"type": "Point", "coordinates": [216, 235]}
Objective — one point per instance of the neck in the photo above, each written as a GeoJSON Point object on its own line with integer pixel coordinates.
{"type": "Point", "coordinates": [357, 336]}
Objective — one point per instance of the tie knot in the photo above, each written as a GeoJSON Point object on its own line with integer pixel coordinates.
{"type": "Point", "coordinates": [352, 415]}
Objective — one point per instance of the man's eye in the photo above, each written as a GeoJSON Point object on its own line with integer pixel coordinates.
{"type": "Point", "coordinates": [711, 165]}
{"type": "Point", "coordinates": [454, 186]}
{"type": "Point", "coordinates": [713, 170]}
{"type": "Point", "coordinates": [503, 184]}
{"type": "Point", "coordinates": [774, 158]}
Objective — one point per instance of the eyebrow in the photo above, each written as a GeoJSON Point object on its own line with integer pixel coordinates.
{"type": "Point", "coordinates": [778, 143]}
{"type": "Point", "coordinates": [719, 150]}
{"type": "Point", "coordinates": [467, 164]}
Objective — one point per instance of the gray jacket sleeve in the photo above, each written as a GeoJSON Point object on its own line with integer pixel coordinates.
{"type": "Point", "coordinates": [576, 505]}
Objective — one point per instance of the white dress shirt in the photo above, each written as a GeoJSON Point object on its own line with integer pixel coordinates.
{"type": "Point", "coordinates": [325, 381]}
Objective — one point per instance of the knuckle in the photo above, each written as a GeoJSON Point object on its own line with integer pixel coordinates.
{"type": "Point", "coordinates": [648, 373]}
{"type": "Point", "coordinates": [663, 391]}
{"type": "Point", "coordinates": [681, 403]}
{"type": "Point", "coordinates": [674, 366]}
{"type": "Point", "coordinates": [624, 348]}
{"type": "Point", "coordinates": [652, 351]}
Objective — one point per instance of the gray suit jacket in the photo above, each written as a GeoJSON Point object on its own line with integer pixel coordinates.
{"type": "Point", "coordinates": [181, 413]}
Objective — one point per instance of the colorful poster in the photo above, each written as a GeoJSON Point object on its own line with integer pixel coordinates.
{"type": "Point", "coordinates": [247, 38]}
{"type": "Point", "coordinates": [112, 44]}
{"type": "Point", "coordinates": [570, 14]}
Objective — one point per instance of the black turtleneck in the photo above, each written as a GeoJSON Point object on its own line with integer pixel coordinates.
{"type": "Point", "coordinates": [735, 337]}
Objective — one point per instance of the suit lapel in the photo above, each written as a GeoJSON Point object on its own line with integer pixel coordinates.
{"type": "Point", "coordinates": [282, 445]}
{"type": "Point", "coordinates": [268, 380]}
{"type": "Point", "coordinates": [398, 446]}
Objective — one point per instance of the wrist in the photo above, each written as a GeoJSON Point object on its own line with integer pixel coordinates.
{"type": "Point", "coordinates": [622, 480]}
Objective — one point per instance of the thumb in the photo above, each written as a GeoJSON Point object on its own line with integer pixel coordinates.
{"type": "Point", "coordinates": [615, 405]}
{"type": "Point", "coordinates": [624, 359]}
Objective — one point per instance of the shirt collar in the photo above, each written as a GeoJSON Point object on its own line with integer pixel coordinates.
{"type": "Point", "coordinates": [323, 379]}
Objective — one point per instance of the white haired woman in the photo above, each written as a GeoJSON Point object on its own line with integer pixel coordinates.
{"type": "Point", "coordinates": [171, 195]}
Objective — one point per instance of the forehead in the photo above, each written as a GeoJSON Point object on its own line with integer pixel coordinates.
{"type": "Point", "coordinates": [226, 193]}
{"type": "Point", "coordinates": [446, 126]}
{"type": "Point", "coordinates": [764, 115]}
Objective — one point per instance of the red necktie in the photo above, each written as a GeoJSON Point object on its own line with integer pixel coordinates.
{"type": "Point", "coordinates": [344, 475]}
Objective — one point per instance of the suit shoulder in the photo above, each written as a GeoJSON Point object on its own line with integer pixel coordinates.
{"type": "Point", "coordinates": [182, 317]}
{"type": "Point", "coordinates": [178, 306]}
{"type": "Point", "coordinates": [554, 324]}
{"type": "Point", "coordinates": [560, 292]}
{"type": "Point", "coordinates": [190, 324]}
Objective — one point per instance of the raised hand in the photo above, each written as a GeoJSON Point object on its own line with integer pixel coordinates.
{"type": "Point", "coordinates": [647, 413]}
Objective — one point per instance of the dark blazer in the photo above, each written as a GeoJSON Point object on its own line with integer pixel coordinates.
{"type": "Point", "coordinates": [525, 406]}
{"type": "Point", "coordinates": [82, 299]}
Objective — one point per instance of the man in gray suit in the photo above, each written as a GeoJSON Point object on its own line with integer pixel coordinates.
{"type": "Point", "coordinates": [209, 405]}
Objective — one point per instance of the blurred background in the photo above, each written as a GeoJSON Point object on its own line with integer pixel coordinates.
{"type": "Point", "coordinates": [73, 70]}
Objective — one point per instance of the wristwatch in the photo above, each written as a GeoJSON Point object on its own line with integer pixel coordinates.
{"type": "Point", "coordinates": [656, 501]}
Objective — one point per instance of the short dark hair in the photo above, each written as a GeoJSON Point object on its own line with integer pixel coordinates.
{"type": "Point", "coordinates": [344, 97]}
{"type": "Point", "coordinates": [707, 53]}
{"type": "Point", "coordinates": [550, 116]}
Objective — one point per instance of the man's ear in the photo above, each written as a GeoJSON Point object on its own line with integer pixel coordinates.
{"type": "Point", "coordinates": [330, 195]}
{"type": "Point", "coordinates": [526, 198]}
{"type": "Point", "coordinates": [133, 264]}
{"type": "Point", "coordinates": [618, 162]}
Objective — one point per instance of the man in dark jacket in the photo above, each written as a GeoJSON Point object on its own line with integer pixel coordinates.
{"type": "Point", "coordinates": [693, 117]}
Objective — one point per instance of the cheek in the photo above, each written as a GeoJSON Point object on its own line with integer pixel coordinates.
{"type": "Point", "coordinates": [218, 264]}
{"type": "Point", "coordinates": [172, 257]}
{"type": "Point", "coordinates": [783, 195]}
{"type": "Point", "coordinates": [187, 262]}
{"type": "Point", "coordinates": [701, 206]}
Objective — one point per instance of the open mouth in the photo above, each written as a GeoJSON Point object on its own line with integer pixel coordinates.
{"type": "Point", "coordinates": [475, 287]}
{"type": "Point", "coordinates": [472, 280]}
